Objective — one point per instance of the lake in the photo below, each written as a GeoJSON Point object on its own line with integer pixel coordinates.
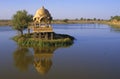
{"type": "Point", "coordinates": [95, 54]}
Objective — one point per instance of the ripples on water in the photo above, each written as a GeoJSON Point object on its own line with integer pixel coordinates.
{"type": "Point", "coordinates": [95, 54]}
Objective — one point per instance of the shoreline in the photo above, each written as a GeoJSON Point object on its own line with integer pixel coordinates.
{"type": "Point", "coordinates": [114, 24]}
{"type": "Point", "coordinates": [5, 23]}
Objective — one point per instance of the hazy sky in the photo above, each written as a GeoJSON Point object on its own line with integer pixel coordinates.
{"type": "Point", "coordinates": [61, 9]}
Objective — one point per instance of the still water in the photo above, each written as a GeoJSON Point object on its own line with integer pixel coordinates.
{"type": "Point", "coordinates": [95, 54]}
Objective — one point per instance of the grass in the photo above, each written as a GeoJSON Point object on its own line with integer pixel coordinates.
{"type": "Point", "coordinates": [58, 41]}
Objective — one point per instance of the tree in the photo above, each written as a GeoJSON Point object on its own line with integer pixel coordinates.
{"type": "Point", "coordinates": [115, 18]}
{"type": "Point", "coordinates": [99, 19]}
{"type": "Point", "coordinates": [89, 19]}
{"type": "Point", "coordinates": [65, 20]}
{"type": "Point", "coordinates": [94, 19]}
{"type": "Point", "coordinates": [20, 20]}
{"type": "Point", "coordinates": [81, 18]}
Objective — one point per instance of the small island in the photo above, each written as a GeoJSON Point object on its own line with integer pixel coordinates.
{"type": "Point", "coordinates": [40, 32]}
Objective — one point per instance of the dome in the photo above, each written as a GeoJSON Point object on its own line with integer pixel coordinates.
{"type": "Point", "coordinates": [42, 12]}
{"type": "Point", "coordinates": [42, 65]}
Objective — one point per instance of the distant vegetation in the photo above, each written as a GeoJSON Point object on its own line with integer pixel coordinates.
{"type": "Point", "coordinates": [23, 23]}
{"type": "Point", "coordinates": [114, 21]}
{"type": "Point", "coordinates": [5, 23]}
{"type": "Point", "coordinates": [77, 21]}
{"type": "Point", "coordinates": [59, 21]}
{"type": "Point", "coordinates": [117, 18]}
{"type": "Point", "coordinates": [65, 21]}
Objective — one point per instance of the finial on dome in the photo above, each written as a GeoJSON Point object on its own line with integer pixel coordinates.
{"type": "Point", "coordinates": [43, 7]}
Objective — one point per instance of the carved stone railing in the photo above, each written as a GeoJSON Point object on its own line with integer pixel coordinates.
{"type": "Point", "coordinates": [42, 29]}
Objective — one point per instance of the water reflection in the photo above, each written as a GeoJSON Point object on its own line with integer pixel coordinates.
{"type": "Point", "coordinates": [115, 28]}
{"type": "Point", "coordinates": [22, 58]}
{"type": "Point", "coordinates": [43, 59]}
{"type": "Point", "coordinates": [40, 58]}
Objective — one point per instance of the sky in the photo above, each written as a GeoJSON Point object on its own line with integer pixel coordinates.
{"type": "Point", "coordinates": [63, 9]}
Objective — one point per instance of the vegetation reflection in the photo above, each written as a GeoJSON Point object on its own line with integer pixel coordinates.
{"type": "Point", "coordinates": [22, 58]}
{"type": "Point", "coordinates": [115, 28]}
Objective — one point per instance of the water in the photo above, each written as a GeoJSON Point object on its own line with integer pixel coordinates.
{"type": "Point", "coordinates": [95, 54]}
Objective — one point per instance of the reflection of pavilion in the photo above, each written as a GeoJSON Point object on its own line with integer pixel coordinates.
{"type": "Point", "coordinates": [43, 59]}
{"type": "Point", "coordinates": [42, 63]}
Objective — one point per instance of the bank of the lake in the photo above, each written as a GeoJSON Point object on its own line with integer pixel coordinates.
{"type": "Point", "coordinates": [112, 24]}
{"type": "Point", "coordinates": [9, 22]}
{"type": "Point", "coordinates": [5, 23]}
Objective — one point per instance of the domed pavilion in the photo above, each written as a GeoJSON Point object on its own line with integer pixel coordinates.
{"type": "Point", "coordinates": [42, 24]}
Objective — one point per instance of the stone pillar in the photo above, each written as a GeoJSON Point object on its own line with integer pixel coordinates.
{"type": "Point", "coordinates": [28, 30]}
{"type": "Point", "coordinates": [51, 35]}
{"type": "Point", "coordinates": [34, 34]}
{"type": "Point", "coordinates": [46, 36]}
{"type": "Point", "coordinates": [40, 35]}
